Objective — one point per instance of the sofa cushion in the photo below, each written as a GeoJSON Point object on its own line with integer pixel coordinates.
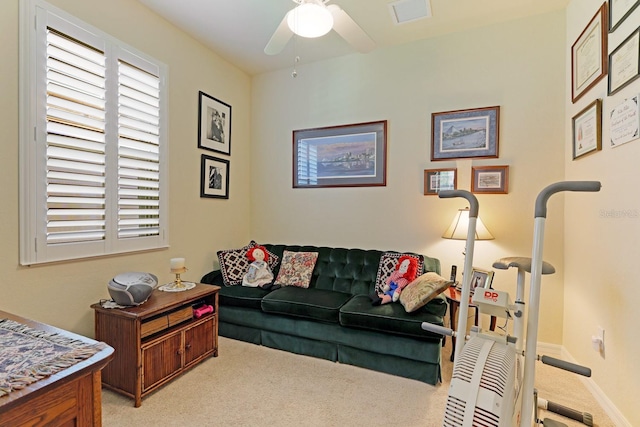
{"type": "Point", "coordinates": [242, 296]}
{"type": "Point", "coordinates": [358, 312]}
{"type": "Point", "coordinates": [422, 290]}
{"type": "Point", "coordinates": [387, 265]}
{"type": "Point", "coordinates": [296, 269]}
{"type": "Point", "coordinates": [234, 263]}
{"type": "Point", "coordinates": [316, 304]}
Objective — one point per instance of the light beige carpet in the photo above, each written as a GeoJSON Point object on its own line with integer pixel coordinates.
{"type": "Point", "coordinates": [250, 385]}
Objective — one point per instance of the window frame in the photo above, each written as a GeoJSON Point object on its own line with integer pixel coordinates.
{"type": "Point", "coordinates": [35, 17]}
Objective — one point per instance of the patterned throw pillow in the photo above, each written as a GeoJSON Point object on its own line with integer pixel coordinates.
{"type": "Point", "coordinates": [234, 263]}
{"type": "Point", "coordinates": [422, 290]}
{"type": "Point", "coordinates": [388, 261]}
{"type": "Point", "coordinates": [296, 269]}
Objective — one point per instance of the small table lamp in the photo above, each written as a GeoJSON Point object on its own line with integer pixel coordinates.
{"type": "Point", "coordinates": [460, 226]}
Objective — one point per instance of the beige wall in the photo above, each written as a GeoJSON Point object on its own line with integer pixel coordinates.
{"type": "Point", "coordinates": [61, 294]}
{"type": "Point", "coordinates": [602, 232]}
{"type": "Point", "coordinates": [518, 66]}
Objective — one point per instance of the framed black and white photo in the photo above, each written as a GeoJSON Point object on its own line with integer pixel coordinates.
{"type": "Point", "coordinates": [214, 177]}
{"type": "Point", "coordinates": [465, 133]}
{"type": "Point", "coordinates": [480, 279]}
{"type": "Point", "coordinates": [587, 130]}
{"type": "Point", "coordinates": [214, 124]}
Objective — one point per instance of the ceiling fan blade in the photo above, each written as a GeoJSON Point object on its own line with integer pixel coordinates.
{"type": "Point", "coordinates": [349, 30]}
{"type": "Point", "coordinates": [280, 38]}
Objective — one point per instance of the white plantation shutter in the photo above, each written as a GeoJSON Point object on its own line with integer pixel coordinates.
{"type": "Point", "coordinates": [75, 138]}
{"type": "Point", "coordinates": [138, 152]}
{"type": "Point", "coordinates": [93, 142]}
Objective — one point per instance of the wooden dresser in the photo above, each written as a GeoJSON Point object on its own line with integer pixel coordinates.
{"type": "Point", "coordinates": [71, 397]}
{"type": "Point", "coordinates": [158, 340]}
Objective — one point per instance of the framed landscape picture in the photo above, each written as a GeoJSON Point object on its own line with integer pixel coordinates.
{"type": "Point", "coordinates": [490, 179]}
{"type": "Point", "coordinates": [465, 133]}
{"type": "Point", "coordinates": [341, 156]}
{"type": "Point", "coordinates": [214, 124]}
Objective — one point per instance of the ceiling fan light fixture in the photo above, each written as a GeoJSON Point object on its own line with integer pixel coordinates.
{"type": "Point", "coordinates": [310, 20]}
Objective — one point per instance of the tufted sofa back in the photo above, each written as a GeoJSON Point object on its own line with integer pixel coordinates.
{"type": "Point", "coordinates": [351, 271]}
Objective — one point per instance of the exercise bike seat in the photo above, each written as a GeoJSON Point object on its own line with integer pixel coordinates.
{"type": "Point", "coordinates": [523, 263]}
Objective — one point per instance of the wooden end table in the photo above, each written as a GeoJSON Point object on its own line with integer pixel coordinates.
{"type": "Point", "coordinates": [68, 397]}
{"type": "Point", "coordinates": [453, 298]}
{"type": "Point", "coordinates": [157, 340]}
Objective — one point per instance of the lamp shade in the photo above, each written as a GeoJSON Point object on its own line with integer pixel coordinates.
{"type": "Point", "coordinates": [460, 227]}
{"type": "Point", "coordinates": [310, 20]}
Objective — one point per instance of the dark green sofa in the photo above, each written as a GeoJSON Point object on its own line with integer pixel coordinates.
{"type": "Point", "coordinates": [334, 319]}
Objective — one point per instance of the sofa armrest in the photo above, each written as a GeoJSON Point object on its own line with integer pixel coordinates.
{"type": "Point", "coordinates": [213, 278]}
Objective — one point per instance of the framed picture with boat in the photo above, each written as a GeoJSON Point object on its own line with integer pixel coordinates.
{"type": "Point", "coordinates": [341, 156]}
{"type": "Point", "coordinates": [464, 134]}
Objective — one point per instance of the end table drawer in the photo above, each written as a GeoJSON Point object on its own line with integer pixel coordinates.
{"type": "Point", "coordinates": [180, 316]}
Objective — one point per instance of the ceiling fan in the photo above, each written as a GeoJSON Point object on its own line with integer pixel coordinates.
{"type": "Point", "coordinates": [314, 18]}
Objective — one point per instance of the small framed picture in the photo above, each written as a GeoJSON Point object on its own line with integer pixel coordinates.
{"type": "Point", "coordinates": [214, 124]}
{"type": "Point", "coordinates": [480, 279]}
{"type": "Point", "coordinates": [490, 179]}
{"type": "Point", "coordinates": [436, 180]}
{"type": "Point", "coordinates": [465, 133]}
{"type": "Point", "coordinates": [587, 130]}
{"type": "Point", "coordinates": [589, 55]}
{"type": "Point", "coordinates": [214, 177]}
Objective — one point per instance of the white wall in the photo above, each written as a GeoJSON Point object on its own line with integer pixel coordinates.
{"type": "Point", "coordinates": [60, 294]}
{"type": "Point", "coordinates": [518, 66]}
{"type": "Point", "coordinates": [602, 231]}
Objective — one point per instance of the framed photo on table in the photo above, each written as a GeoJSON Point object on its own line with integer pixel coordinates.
{"type": "Point", "coordinates": [341, 156]}
{"type": "Point", "coordinates": [587, 130]}
{"type": "Point", "coordinates": [480, 279]}
{"type": "Point", "coordinates": [465, 133]}
{"type": "Point", "coordinates": [619, 10]}
{"type": "Point", "coordinates": [624, 63]}
{"type": "Point", "coordinates": [436, 180]}
{"type": "Point", "coordinates": [589, 55]}
{"type": "Point", "coordinates": [490, 179]}
{"type": "Point", "coordinates": [214, 177]}
{"type": "Point", "coordinates": [214, 124]}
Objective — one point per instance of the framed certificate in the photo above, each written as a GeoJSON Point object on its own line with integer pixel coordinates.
{"type": "Point", "coordinates": [587, 130]}
{"type": "Point", "coordinates": [589, 55]}
{"type": "Point", "coordinates": [624, 63]}
{"type": "Point", "coordinates": [619, 10]}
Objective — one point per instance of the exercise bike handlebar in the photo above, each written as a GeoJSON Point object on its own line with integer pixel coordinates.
{"type": "Point", "coordinates": [473, 202]}
{"type": "Point", "coordinates": [437, 329]}
{"type": "Point", "coordinates": [543, 196]}
{"type": "Point", "coordinates": [567, 366]}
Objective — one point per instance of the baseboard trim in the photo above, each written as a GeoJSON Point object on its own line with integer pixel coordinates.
{"type": "Point", "coordinates": [612, 411]}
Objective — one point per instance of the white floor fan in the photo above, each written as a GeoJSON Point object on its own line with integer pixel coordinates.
{"type": "Point", "coordinates": [334, 17]}
{"type": "Point", "coordinates": [492, 384]}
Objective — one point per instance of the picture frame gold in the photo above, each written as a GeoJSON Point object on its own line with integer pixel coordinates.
{"type": "Point", "coordinates": [587, 130]}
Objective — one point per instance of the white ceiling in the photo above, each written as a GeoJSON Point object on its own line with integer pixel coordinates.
{"type": "Point", "coordinates": [238, 30]}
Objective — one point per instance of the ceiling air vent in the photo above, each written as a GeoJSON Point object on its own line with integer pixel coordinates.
{"type": "Point", "coordinates": [403, 11]}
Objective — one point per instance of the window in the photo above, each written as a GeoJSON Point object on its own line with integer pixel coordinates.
{"type": "Point", "coordinates": [92, 143]}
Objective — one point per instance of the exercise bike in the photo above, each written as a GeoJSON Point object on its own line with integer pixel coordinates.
{"type": "Point", "coordinates": [493, 375]}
